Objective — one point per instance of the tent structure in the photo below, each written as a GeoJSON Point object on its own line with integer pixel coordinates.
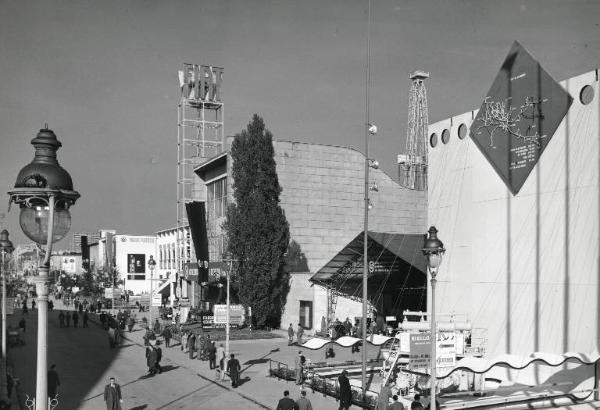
{"type": "Point", "coordinates": [397, 271]}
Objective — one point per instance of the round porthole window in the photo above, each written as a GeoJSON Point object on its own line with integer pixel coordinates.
{"type": "Point", "coordinates": [462, 131]}
{"type": "Point", "coordinates": [433, 140]}
{"type": "Point", "coordinates": [586, 95]}
{"type": "Point", "coordinates": [445, 136]}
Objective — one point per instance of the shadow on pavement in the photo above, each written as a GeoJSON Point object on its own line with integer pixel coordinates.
{"type": "Point", "coordinates": [142, 407]}
{"type": "Point", "coordinates": [244, 380]}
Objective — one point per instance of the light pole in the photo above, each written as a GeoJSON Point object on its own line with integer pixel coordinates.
{"type": "Point", "coordinates": [151, 265]}
{"type": "Point", "coordinates": [44, 192]}
{"type": "Point", "coordinates": [227, 258]}
{"type": "Point", "coordinates": [433, 249]}
{"type": "Point", "coordinates": [6, 247]}
{"type": "Point", "coordinates": [368, 130]}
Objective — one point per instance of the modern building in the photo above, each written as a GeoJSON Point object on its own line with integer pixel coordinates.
{"type": "Point", "coordinates": [92, 237]}
{"type": "Point", "coordinates": [323, 199]}
{"type": "Point", "coordinates": [67, 262]}
{"type": "Point", "coordinates": [523, 248]}
{"type": "Point", "coordinates": [131, 255]}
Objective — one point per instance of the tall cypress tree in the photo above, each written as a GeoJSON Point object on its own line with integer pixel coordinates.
{"type": "Point", "coordinates": [257, 229]}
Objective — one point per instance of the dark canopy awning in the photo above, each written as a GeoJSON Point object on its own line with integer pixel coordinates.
{"type": "Point", "coordinates": [398, 270]}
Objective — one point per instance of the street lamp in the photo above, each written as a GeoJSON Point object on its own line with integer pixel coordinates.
{"type": "Point", "coordinates": [44, 192]}
{"type": "Point", "coordinates": [227, 258]}
{"type": "Point", "coordinates": [151, 265]}
{"type": "Point", "coordinates": [433, 249]}
{"type": "Point", "coordinates": [6, 248]}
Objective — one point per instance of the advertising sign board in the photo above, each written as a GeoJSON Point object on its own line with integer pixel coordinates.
{"type": "Point", "coordinates": [420, 351]}
{"type": "Point", "coordinates": [445, 355]}
{"type": "Point", "coordinates": [236, 315]}
{"type": "Point", "coordinates": [157, 299]}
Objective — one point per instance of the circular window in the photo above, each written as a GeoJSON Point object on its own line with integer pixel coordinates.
{"type": "Point", "coordinates": [433, 140]}
{"type": "Point", "coordinates": [445, 136]}
{"type": "Point", "coordinates": [462, 131]}
{"type": "Point", "coordinates": [586, 95]}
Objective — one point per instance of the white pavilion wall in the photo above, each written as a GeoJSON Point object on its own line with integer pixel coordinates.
{"type": "Point", "coordinates": [524, 267]}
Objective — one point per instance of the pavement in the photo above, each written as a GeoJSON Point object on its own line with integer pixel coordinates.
{"type": "Point", "coordinates": [85, 363]}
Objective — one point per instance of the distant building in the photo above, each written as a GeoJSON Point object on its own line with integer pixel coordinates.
{"type": "Point", "coordinates": [66, 261]}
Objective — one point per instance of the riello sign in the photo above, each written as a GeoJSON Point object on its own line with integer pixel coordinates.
{"type": "Point", "coordinates": [201, 82]}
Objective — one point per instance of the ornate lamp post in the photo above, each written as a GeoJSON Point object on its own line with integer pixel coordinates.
{"type": "Point", "coordinates": [44, 192]}
{"type": "Point", "coordinates": [6, 248]}
{"type": "Point", "coordinates": [151, 265]}
{"type": "Point", "coordinates": [433, 249]}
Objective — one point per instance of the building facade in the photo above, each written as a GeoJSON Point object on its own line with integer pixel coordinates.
{"type": "Point", "coordinates": [323, 199]}
{"type": "Point", "coordinates": [523, 265]}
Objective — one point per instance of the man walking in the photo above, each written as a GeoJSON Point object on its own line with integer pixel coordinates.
{"type": "Point", "coordinates": [221, 360]}
{"type": "Point", "coordinates": [286, 403]}
{"type": "Point", "coordinates": [299, 363]}
{"type": "Point", "coordinates": [396, 405]}
{"type": "Point", "coordinates": [112, 395]}
{"type": "Point", "coordinates": [167, 336]}
{"type": "Point", "coordinates": [290, 335]}
{"type": "Point", "coordinates": [233, 368]}
{"type": "Point", "coordinates": [53, 381]}
{"type": "Point", "coordinates": [212, 355]}
{"type": "Point", "coordinates": [345, 391]}
{"type": "Point", "coordinates": [303, 403]}
{"type": "Point", "coordinates": [300, 333]}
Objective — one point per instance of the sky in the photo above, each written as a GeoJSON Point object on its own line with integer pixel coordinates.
{"type": "Point", "coordinates": [103, 75]}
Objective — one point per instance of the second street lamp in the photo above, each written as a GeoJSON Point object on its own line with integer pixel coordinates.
{"type": "Point", "coordinates": [44, 192]}
{"type": "Point", "coordinates": [433, 249]}
{"type": "Point", "coordinates": [6, 248]}
{"type": "Point", "coordinates": [151, 266]}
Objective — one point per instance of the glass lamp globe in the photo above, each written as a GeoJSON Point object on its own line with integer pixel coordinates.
{"type": "Point", "coordinates": [34, 223]}
{"type": "Point", "coordinates": [434, 259]}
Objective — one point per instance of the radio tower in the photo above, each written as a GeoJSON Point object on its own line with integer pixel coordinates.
{"type": "Point", "coordinates": [412, 165]}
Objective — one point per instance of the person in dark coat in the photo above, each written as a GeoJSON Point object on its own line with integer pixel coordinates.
{"type": "Point", "coordinates": [112, 395]}
{"type": "Point", "coordinates": [233, 368]}
{"type": "Point", "coordinates": [131, 323]}
{"type": "Point", "coordinates": [345, 391]}
{"type": "Point", "coordinates": [22, 324]}
{"type": "Point", "coordinates": [61, 319]}
{"type": "Point", "coordinates": [286, 403]}
{"type": "Point", "coordinates": [75, 319]}
{"type": "Point", "coordinates": [151, 359]}
{"type": "Point", "coordinates": [53, 381]}
{"type": "Point", "coordinates": [167, 336]}
{"type": "Point", "coordinates": [85, 319]}
{"type": "Point", "coordinates": [212, 355]}
{"type": "Point", "coordinates": [191, 344]}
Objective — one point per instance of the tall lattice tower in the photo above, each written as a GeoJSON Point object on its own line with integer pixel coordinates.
{"type": "Point", "coordinates": [200, 136]}
{"type": "Point", "coordinates": [412, 165]}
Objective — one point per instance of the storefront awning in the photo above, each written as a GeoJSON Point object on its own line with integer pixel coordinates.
{"type": "Point", "coordinates": [396, 263]}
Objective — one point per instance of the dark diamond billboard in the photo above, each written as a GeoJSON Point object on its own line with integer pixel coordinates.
{"type": "Point", "coordinates": [518, 117]}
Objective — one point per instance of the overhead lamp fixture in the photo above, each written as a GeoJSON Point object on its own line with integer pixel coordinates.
{"type": "Point", "coordinates": [373, 163]}
{"type": "Point", "coordinates": [372, 129]}
{"type": "Point", "coordinates": [374, 187]}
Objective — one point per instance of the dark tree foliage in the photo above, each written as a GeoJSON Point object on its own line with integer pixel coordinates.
{"type": "Point", "coordinates": [257, 229]}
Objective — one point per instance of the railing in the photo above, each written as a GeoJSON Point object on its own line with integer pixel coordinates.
{"type": "Point", "coordinates": [325, 385]}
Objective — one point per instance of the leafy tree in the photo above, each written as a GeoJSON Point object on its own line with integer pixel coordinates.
{"type": "Point", "coordinates": [256, 227]}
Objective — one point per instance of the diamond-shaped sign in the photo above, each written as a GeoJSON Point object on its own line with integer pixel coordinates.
{"type": "Point", "coordinates": [518, 117]}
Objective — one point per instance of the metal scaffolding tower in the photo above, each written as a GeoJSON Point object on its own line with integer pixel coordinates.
{"type": "Point", "coordinates": [200, 136]}
{"type": "Point", "coordinates": [412, 165]}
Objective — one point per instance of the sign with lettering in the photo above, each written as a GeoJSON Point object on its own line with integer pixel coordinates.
{"type": "Point", "coordinates": [420, 351]}
{"type": "Point", "coordinates": [445, 352]}
{"type": "Point", "coordinates": [518, 117]}
{"type": "Point", "coordinates": [236, 315]}
{"type": "Point", "coordinates": [201, 82]}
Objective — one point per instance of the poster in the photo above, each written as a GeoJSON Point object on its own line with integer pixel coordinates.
{"type": "Point", "coordinates": [518, 117]}
{"type": "Point", "coordinates": [136, 263]}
